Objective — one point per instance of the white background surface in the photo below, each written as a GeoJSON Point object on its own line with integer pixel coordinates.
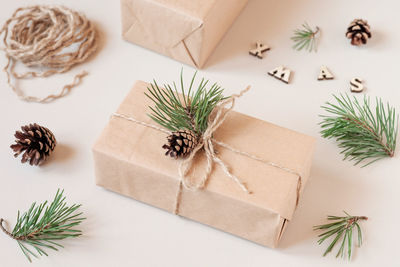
{"type": "Point", "coordinates": [122, 232]}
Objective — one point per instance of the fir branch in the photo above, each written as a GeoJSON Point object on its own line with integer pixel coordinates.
{"type": "Point", "coordinates": [362, 134]}
{"type": "Point", "coordinates": [305, 38]}
{"type": "Point", "coordinates": [341, 229]}
{"type": "Point", "coordinates": [42, 226]}
{"type": "Point", "coordinates": [180, 109]}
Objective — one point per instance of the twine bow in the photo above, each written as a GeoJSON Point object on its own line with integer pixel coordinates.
{"type": "Point", "coordinates": [218, 117]}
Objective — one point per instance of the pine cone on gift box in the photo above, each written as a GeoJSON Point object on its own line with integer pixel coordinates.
{"type": "Point", "coordinates": [35, 142]}
{"type": "Point", "coordinates": [180, 143]}
{"type": "Point", "coordinates": [359, 32]}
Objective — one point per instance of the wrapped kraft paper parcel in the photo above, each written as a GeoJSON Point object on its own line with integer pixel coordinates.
{"type": "Point", "coordinates": [185, 30]}
{"type": "Point", "coordinates": [129, 160]}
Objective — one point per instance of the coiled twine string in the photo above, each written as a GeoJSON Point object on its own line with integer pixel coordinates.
{"type": "Point", "coordinates": [51, 37]}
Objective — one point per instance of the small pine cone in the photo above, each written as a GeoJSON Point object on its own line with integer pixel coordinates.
{"type": "Point", "coordinates": [180, 143]}
{"type": "Point", "coordinates": [359, 32]}
{"type": "Point", "coordinates": [37, 142]}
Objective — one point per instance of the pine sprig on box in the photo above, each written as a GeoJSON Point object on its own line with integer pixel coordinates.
{"type": "Point", "coordinates": [188, 111]}
{"type": "Point", "coordinates": [184, 112]}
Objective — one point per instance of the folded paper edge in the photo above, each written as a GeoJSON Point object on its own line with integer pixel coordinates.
{"type": "Point", "coordinates": [195, 63]}
{"type": "Point", "coordinates": [196, 58]}
{"type": "Point", "coordinates": [200, 21]}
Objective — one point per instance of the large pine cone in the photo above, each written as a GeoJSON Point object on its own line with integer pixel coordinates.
{"type": "Point", "coordinates": [180, 143]}
{"type": "Point", "coordinates": [359, 32]}
{"type": "Point", "coordinates": [37, 142]}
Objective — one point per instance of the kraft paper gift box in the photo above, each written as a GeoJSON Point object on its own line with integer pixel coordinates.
{"type": "Point", "coordinates": [185, 30]}
{"type": "Point", "coordinates": [129, 160]}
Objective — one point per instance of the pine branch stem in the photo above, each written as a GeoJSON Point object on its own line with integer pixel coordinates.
{"type": "Point", "coordinates": [19, 238]}
{"type": "Point", "coordinates": [190, 116]}
{"type": "Point", "coordinates": [355, 219]}
{"type": "Point", "coordinates": [5, 230]}
{"type": "Point", "coordinates": [388, 151]}
{"type": "Point", "coordinates": [315, 32]}
{"type": "Point", "coordinates": [32, 235]}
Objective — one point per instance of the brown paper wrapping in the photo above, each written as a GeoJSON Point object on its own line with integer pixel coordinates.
{"type": "Point", "coordinates": [187, 31]}
{"type": "Point", "coordinates": [129, 160]}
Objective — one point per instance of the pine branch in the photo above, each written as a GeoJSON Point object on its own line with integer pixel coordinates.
{"type": "Point", "coordinates": [42, 226]}
{"type": "Point", "coordinates": [305, 38]}
{"type": "Point", "coordinates": [341, 231]}
{"type": "Point", "coordinates": [177, 109]}
{"type": "Point", "coordinates": [361, 133]}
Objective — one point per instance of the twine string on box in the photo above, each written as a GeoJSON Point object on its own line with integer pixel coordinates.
{"type": "Point", "coordinates": [55, 38]}
{"type": "Point", "coordinates": [207, 143]}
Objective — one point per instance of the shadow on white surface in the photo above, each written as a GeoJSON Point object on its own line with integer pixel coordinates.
{"type": "Point", "coordinates": [260, 21]}
{"type": "Point", "coordinates": [377, 40]}
{"type": "Point", "coordinates": [328, 191]}
{"type": "Point", "coordinates": [61, 153]}
{"type": "Point", "coordinates": [101, 40]}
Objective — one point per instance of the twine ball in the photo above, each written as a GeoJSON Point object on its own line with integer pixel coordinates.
{"type": "Point", "coordinates": [55, 38]}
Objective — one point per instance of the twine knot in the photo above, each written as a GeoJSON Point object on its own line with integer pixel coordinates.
{"type": "Point", "coordinates": [218, 116]}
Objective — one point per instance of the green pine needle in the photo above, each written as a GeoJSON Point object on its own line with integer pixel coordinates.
{"type": "Point", "coordinates": [341, 232]}
{"type": "Point", "coordinates": [363, 133]}
{"type": "Point", "coordinates": [184, 109]}
{"type": "Point", "coordinates": [42, 226]}
{"type": "Point", "coordinates": [305, 38]}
